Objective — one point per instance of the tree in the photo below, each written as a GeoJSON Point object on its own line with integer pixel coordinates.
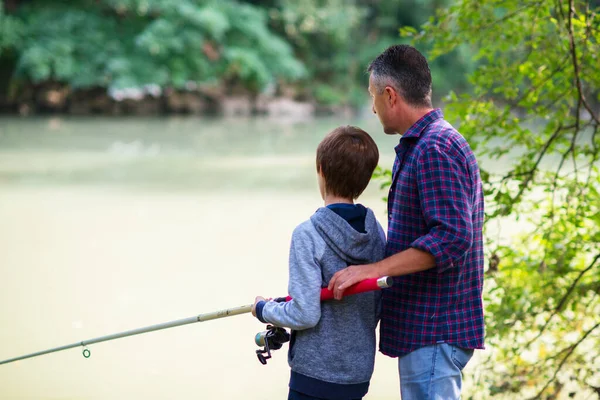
{"type": "Point", "coordinates": [534, 109]}
{"type": "Point", "coordinates": [318, 48]}
{"type": "Point", "coordinates": [336, 39]}
{"type": "Point", "coordinates": [117, 44]}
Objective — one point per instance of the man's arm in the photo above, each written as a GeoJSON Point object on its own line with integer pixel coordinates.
{"type": "Point", "coordinates": [444, 186]}
{"type": "Point", "coordinates": [406, 262]}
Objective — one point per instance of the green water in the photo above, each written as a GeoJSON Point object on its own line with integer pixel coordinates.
{"type": "Point", "coordinates": [169, 154]}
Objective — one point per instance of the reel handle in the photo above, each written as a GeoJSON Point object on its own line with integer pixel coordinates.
{"type": "Point", "coordinates": [271, 339]}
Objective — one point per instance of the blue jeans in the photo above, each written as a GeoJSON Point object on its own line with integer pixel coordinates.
{"type": "Point", "coordinates": [433, 372]}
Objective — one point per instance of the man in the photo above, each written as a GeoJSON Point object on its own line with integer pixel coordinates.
{"type": "Point", "coordinates": [432, 318]}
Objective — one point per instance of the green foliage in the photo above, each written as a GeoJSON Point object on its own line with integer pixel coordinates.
{"type": "Point", "coordinates": [122, 44]}
{"type": "Point", "coordinates": [384, 176]}
{"type": "Point", "coordinates": [533, 97]}
{"type": "Point", "coordinates": [321, 47]}
{"type": "Point", "coordinates": [325, 35]}
{"type": "Point", "coordinates": [326, 94]}
{"type": "Point", "coordinates": [338, 38]}
{"type": "Point", "coordinates": [10, 31]}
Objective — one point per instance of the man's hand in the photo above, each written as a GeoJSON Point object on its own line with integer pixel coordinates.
{"type": "Point", "coordinates": [256, 300]}
{"type": "Point", "coordinates": [347, 277]}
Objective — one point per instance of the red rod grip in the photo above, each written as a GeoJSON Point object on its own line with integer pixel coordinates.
{"type": "Point", "coordinates": [367, 285]}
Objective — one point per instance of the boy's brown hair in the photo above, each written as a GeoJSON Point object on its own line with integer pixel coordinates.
{"type": "Point", "coordinates": [346, 158]}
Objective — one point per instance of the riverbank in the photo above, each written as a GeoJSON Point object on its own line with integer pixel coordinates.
{"type": "Point", "coordinates": [60, 99]}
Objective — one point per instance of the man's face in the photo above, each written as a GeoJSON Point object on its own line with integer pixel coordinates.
{"type": "Point", "coordinates": [381, 106]}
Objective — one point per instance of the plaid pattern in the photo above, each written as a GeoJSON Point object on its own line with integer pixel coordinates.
{"type": "Point", "coordinates": [435, 204]}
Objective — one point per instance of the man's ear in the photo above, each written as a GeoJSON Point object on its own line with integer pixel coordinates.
{"type": "Point", "coordinates": [391, 95]}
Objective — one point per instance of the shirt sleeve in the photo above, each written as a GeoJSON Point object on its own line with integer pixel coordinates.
{"type": "Point", "coordinates": [444, 187]}
{"type": "Point", "coordinates": [259, 311]}
{"type": "Point", "coordinates": [304, 310]}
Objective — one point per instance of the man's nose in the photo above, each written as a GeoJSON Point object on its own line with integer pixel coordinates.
{"type": "Point", "coordinates": [373, 108]}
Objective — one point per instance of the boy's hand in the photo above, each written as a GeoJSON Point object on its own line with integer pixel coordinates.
{"type": "Point", "coordinates": [256, 300]}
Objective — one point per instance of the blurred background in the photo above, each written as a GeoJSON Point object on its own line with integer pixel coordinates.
{"type": "Point", "coordinates": [156, 155]}
{"type": "Point", "coordinates": [149, 57]}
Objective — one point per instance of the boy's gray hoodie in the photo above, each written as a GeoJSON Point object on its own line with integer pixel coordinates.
{"type": "Point", "coordinates": [334, 341]}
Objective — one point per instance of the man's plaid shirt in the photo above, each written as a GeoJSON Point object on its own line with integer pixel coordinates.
{"type": "Point", "coordinates": [435, 204]}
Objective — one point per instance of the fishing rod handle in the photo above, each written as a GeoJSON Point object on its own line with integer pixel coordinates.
{"type": "Point", "coordinates": [368, 285]}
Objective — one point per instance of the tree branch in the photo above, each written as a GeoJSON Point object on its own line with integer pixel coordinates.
{"type": "Point", "coordinates": [575, 61]}
{"type": "Point", "coordinates": [563, 300]}
{"type": "Point", "coordinates": [570, 351]}
{"type": "Point", "coordinates": [558, 69]}
{"type": "Point", "coordinates": [531, 172]}
{"type": "Point", "coordinates": [595, 152]}
{"type": "Point", "coordinates": [507, 16]}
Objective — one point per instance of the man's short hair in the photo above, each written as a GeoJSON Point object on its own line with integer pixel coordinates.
{"type": "Point", "coordinates": [405, 69]}
{"type": "Point", "coordinates": [346, 158]}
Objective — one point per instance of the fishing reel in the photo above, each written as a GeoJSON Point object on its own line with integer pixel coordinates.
{"type": "Point", "coordinates": [271, 339]}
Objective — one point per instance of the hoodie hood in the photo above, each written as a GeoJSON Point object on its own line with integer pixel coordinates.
{"type": "Point", "coordinates": [350, 245]}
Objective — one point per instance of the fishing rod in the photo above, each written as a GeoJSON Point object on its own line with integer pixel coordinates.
{"type": "Point", "coordinates": [271, 339]}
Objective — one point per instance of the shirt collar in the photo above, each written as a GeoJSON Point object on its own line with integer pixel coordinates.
{"type": "Point", "coordinates": [421, 124]}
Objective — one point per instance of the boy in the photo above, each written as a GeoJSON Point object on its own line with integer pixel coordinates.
{"type": "Point", "coordinates": [332, 348]}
